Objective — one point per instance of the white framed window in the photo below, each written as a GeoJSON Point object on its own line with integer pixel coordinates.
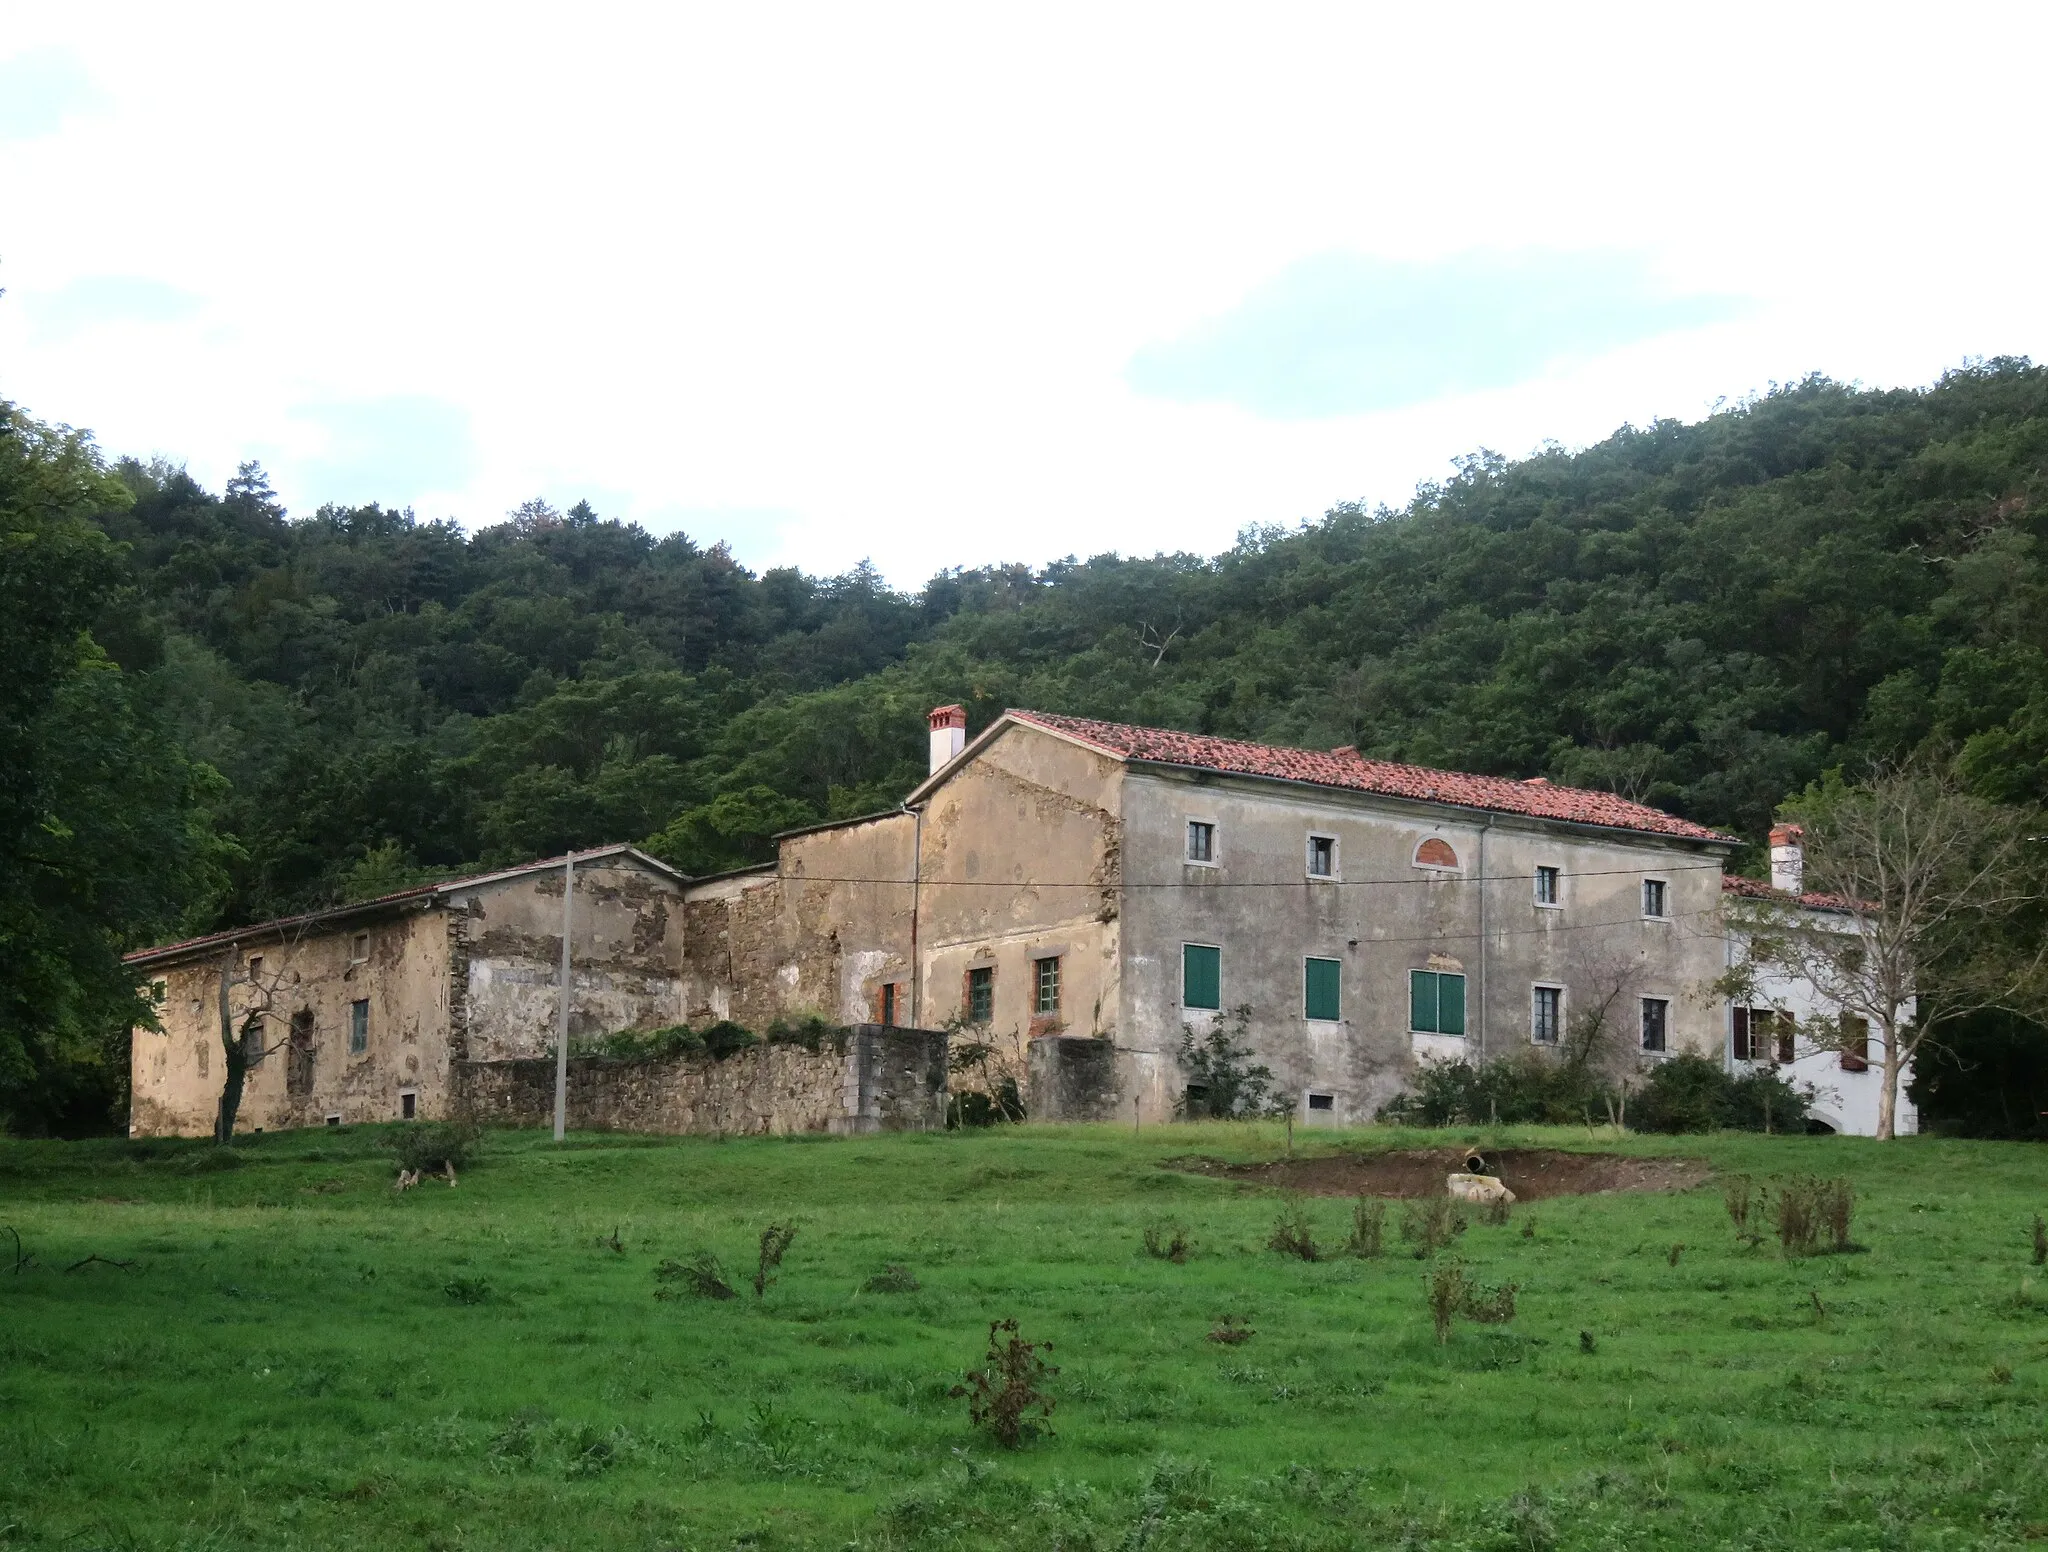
{"type": "Point", "coordinates": [1656, 1024]}
{"type": "Point", "coordinates": [1202, 841]}
{"type": "Point", "coordinates": [334, 1118]}
{"type": "Point", "coordinates": [1546, 1014]}
{"type": "Point", "coordinates": [1656, 900]}
{"type": "Point", "coordinates": [1549, 886]}
{"type": "Point", "coordinates": [359, 949]}
{"type": "Point", "coordinates": [1322, 856]}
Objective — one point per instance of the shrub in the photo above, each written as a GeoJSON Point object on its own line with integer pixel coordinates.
{"type": "Point", "coordinates": [1444, 1289]}
{"type": "Point", "coordinates": [1231, 1331]}
{"type": "Point", "coordinates": [1223, 1083]}
{"type": "Point", "coordinates": [725, 1038]}
{"type": "Point", "coordinates": [775, 1241]}
{"type": "Point", "coordinates": [1797, 1216]}
{"type": "Point", "coordinates": [1739, 1193]}
{"type": "Point", "coordinates": [2040, 1241]}
{"type": "Point", "coordinates": [1003, 1395]}
{"type": "Point", "coordinates": [1431, 1224]}
{"type": "Point", "coordinates": [702, 1276]}
{"type": "Point", "coordinates": [434, 1146]}
{"type": "Point", "coordinates": [1292, 1234]}
{"type": "Point", "coordinates": [1368, 1228]}
{"type": "Point", "coordinates": [1162, 1248]}
{"type": "Point", "coordinates": [809, 1030]}
{"type": "Point", "coordinates": [1835, 1203]}
{"type": "Point", "coordinates": [468, 1290]}
{"type": "Point", "coordinates": [891, 1279]}
{"type": "Point", "coordinates": [641, 1045]}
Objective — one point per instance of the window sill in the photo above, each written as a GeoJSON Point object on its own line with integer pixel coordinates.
{"type": "Point", "coordinates": [1662, 921]}
{"type": "Point", "coordinates": [1548, 905]}
{"type": "Point", "coordinates": [1189, 862]}
{"type": "Point", "coordinates": [1322, 878]}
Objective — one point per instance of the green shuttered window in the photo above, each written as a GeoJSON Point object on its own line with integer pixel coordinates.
{"type": "Point", "coordinates": [1201, 976]}
{"type": "Point", "coordinates": [1319, 999]}
{"type": "Point", "coordinates": [1436, 1003]}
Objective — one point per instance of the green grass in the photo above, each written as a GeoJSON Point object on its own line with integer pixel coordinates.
{"type": "Point", "coordinates": [298, 1357]}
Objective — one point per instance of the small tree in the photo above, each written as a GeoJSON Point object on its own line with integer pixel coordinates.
{"type": "Point", "coordinates": [1921, 891]}
{"type": "Point", "coordinates": [1223, 1083]}
{"type": "Point", "coordinates": [243, 1037]}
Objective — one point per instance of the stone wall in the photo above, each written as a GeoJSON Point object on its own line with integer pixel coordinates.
{"type": "Point", "coordinates": [881, 1080]}
{"type": "Point", "coordinates": [1073, 1080]}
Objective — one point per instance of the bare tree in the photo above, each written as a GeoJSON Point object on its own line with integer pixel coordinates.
{"type": "Point", "coordinates": [1155, 643]}
{"type": "Point", "coordinates": [1914, 892]}
{"type": "Point", "coordinates": [243, 1024]}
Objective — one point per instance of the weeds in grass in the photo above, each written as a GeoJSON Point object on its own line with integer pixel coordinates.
{"type": "Point", "coordinates": [891, 1279]}
{"type": "Point", "coordinates": [616, 1245]}
{"type": "Point", "coordinates": [1676, 1251]}
{"type": "Point", "coordinates": [469, 1290]}
{"type": "Point", "coordinates": [1836, 1200]}
{"type": "Point", "coordinates": [1496, 1212]}
{"type": "Point", "coordinates": [1431, 1224]}
{"type": "Point", "coordinates": [1292, 1233]}
{"type": "Point", "coordinates": [1451, 1291]}
{"type": "Point", "coordinates": [23, 1260]}
{"type": "Point", "coordinates": [1528, 1228]}
{"type": "Point", "coordinates": [1003, 1396]}
{"type": "Point", "coordinates": [1743, 1198]}
{"type": "Point", "coordinates": [1587, 1344]}
{"type": "Point", "coordinates": [775, 1242]}
{"type": "Point", "coordinates": [2001, 1374]}
{"type": "Point", "coordinates": [702, 1276]}
{"type": "Point", "coordinates": [2040, 1241]}
{"type": "Point", "coordinates": [1368, 1228]}
{"type": "Point", "coordinates": [1797, 1217]}
{"type": "Point", "coordinates": [1168, 1242]}
{"type": "Point", "coordinates": [1231, 1331]}
{"type": "Point", "coordinates": [1444, 1288]}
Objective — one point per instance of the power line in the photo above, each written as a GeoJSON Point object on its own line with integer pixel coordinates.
{"type": "Point", "coordinates": [1307, 880]}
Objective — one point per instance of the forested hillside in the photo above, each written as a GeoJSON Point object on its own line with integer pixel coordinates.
{"type": "Point", "coordinates": [1701, 616]}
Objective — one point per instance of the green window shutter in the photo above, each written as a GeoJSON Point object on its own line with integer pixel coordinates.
{"type": "Point", "coordinates": [1450, 1012]}
{"type": "Point", "coordinates": [1319, 989]}
{"type": "Point", "coordinates": [1201, 976]}
{"type": "Point", "coordinates": [1422, 1001]}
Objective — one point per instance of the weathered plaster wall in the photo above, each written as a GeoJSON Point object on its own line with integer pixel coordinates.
{"type": "Point", "coordinates": [628, 931]}
{"type": "Point", "coordinates": [1022, 862]}
{"type": "Point", "coordinates": [1384, 916]}
{"type": "Point", "coordinates": [880, 1080]}
{"type": "Point", "coordinates": [822, 938]}
{"type": "Point", "coordinates": [177, 1075]}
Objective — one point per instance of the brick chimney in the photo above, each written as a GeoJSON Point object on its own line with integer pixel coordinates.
{"type": "Point", "coordinates": [1788, 858]}
{"type": "Point", "coordinates": [949, 733]}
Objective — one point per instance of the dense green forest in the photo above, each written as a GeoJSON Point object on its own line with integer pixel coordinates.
{"type": "Point", "coordinates": [307, 709]}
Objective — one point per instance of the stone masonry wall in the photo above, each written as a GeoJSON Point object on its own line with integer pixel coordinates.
{"type": "Point", "coordinates": [883, 1080]}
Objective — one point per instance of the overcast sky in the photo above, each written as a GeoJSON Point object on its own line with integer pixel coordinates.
{"type": "Point", "coordinates": [963, 284]}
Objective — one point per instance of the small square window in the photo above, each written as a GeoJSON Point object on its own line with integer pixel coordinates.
{"type": "Point", "coordinates": [359, 949]}
{"type": "Point", "coordinates": [1546, 1014]}
{"type": "Point", "coordinates": [1654, 901]}
{"type": "Point", "coordinates": [1322, 1101]}
{"type": "Point", "coordinates": [334, 1119]}
{"type": "Point", "coordinates": [1656, 1023]}
{"type": "Point", "coordinates": [1201, 841]}
{"type": "Point", "coordinates": [359, 1026]}
{"type": "Point", "coordinates": [1046, 986]}
{"type": "Point", "coordinates": [1549, 886]}
{"type": "Point", "coordinates": [981, 994]}
{"type": "Point", "coordinates": [408, 1106]}
{"type": "Point", "coordinates": [255, 968]}
{"type": "Point", "coordinates": [1322, 856]}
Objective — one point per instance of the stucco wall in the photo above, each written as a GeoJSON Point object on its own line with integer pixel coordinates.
{"type": "Point", "coordinates": [879, 1080]}
{"type": "Point", "coordinates": [177, 1074]}
{"type": "Point", "coordinates": [628, 931]}
{"type": "Point", "coordinates": [1383, 916]}
{"type": "Point", "coordinates": [1844, 1100]}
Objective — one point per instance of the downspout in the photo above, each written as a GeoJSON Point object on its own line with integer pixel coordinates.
{"type": "Point", "coordinates": [916, 889]}
{"type": "Point", "coordinates": [1482, 935]}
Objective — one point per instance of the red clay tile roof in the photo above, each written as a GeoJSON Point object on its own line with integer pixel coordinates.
{"type": "Point", "coordinates": [1347, 768]}
{"type": "Point", "coordinates": [1756, 889]}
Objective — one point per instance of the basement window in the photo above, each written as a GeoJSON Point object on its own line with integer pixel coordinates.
{"type": "Point", "coordinates": [1322, 1101]}
{"type": "Point", "coordinates": [334, 1118]}
{"type": "Point", "coordinates": [408, 1106]}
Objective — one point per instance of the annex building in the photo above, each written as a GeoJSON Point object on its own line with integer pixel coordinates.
{"type": "Point", "coordinates": [1066, 895]}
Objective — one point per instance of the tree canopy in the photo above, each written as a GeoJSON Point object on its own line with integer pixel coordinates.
{"type": "Point", "coordinates": [1705, 616]}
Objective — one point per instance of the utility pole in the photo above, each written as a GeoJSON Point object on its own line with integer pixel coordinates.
{"type": "Point", "coordinates": [562, 1009]}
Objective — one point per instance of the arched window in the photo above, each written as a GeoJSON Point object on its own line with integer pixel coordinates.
{"type": "Point", "coordinates": [1435, 853]}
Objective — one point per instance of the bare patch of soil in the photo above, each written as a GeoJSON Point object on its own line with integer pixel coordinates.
{"type": "Point", "coordinates": [1531, 1173]}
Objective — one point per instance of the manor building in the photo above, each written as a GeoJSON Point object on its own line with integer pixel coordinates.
{"type": "Point", "coordinates": [1074, 897]}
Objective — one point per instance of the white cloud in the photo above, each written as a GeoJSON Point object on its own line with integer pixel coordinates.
{"type": "Point", "coordinates": [835, 282]}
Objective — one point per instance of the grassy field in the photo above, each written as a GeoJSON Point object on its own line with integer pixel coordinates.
{"type": "Point", "coordinates": [299, 1357]}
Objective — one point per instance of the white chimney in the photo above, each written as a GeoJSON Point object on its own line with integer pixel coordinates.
{"type": "Point", "coordinates": [949, 733]}
{"type": "Point", "coordinates": [1788, 858]}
